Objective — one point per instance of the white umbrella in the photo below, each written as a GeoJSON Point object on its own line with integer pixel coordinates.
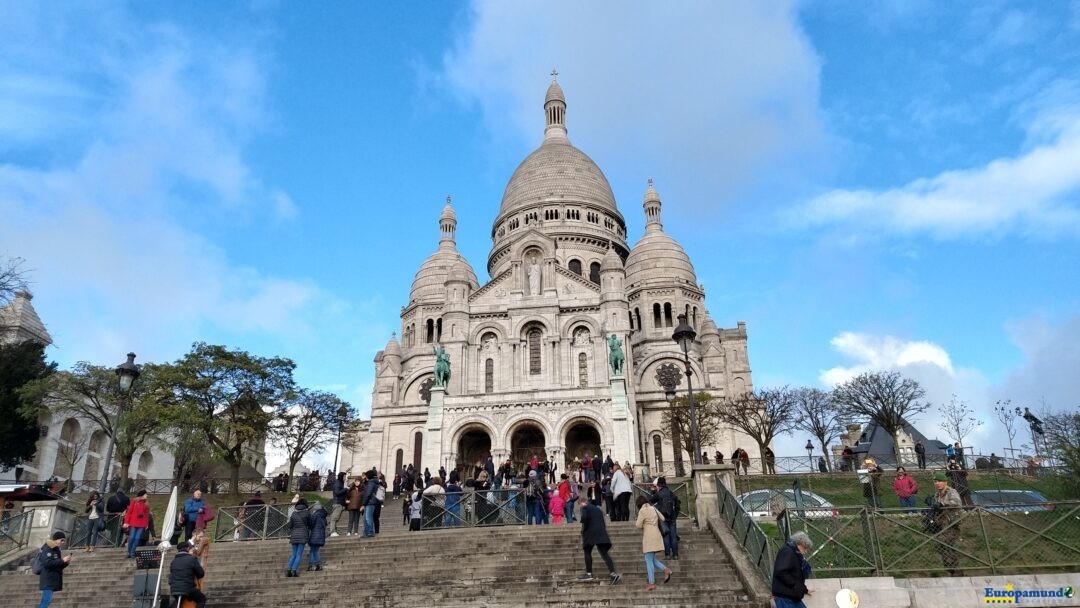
{"type": "Point", "coordinates": [166, 534]}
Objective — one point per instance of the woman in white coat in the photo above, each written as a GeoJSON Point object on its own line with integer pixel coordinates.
{"type": "Point", "coordinates": [652, 541]}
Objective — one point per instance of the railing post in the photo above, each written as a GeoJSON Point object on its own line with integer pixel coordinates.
{"type": "Point", "coordinates": [986, 541]}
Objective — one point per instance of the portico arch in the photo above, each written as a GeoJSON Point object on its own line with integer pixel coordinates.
{"type": "Point", "coordinates": [472, 444]}
{"type": "Point", "coordinates": [582, 435]}
{"type": "Point", "coordinates": [527, 439]}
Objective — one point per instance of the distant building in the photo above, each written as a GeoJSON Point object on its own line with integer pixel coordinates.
{"type": "Point", "coordinates": [873, 441]}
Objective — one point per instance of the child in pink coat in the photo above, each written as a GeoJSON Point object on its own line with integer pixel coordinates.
{"type": "Point", "coordinates": [558, 507]}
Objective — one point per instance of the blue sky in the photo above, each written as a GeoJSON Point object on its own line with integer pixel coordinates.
{"type": "Point", "coordinates": [868, 185]}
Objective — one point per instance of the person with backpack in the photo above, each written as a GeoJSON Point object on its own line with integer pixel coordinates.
{"type": "Point", "coordinates": [184, 572]}
{"type": "Point", "coordinates": [316, 538]}
{"type": "Point", "coordinates": [534, 498]}
{"type": "Point", "coordinates": [49, 565]}
{"type": "Point", "coordinates": [136, 521]}
{"type": "Point", "coordinates": [299, 534]}
{"type": "Point", "coordinates": [594, 534]}
{"type": "Point", "coordinates": [667, 503]}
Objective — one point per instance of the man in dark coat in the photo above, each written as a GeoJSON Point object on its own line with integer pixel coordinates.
{"type": "Point", "coordinates": [489, 466]}
{"type": "Point", "coordinates": [117, 503]}
{"type": "Point", "coordinates": [791, 571]}
{"type": "Point", "coordinates": [597, 466]}
{"type": "Point", "coordinates": [594, 534]}
{"type": "Point", "coordinates": [667, 503]}
{"type": "Point", "coordinates": [341, 497]}
{"type": "Point", "coordinates": [368, 500]}
{"type": "Point", "coordinates": [183, 572]}
{"type": "Point", "coordinates": [53, 563]}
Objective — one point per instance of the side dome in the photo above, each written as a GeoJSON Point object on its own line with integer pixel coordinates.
{"type": "Point", "coordinates": [557, 170]}
{"type": "Point", "coordinates": [657, 258]}
{"type": "Point", "coordinates": [429, 283]}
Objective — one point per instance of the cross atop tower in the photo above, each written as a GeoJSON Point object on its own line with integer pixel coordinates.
{"type": "Point", "coordinates": [554, 74]}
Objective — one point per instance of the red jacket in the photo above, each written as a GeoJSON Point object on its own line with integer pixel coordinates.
{"type": "Point", "coordinates": [564, 490]}
{"type": "Point", "coordinates": [905, 486]}
{"type": "Point", "coordinates": [137, 515]}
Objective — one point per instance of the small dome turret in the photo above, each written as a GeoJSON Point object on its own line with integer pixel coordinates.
{"type": "Point", "coordinates": [428, 284]}
{"type": "Point", "coordinates": [657, 258]}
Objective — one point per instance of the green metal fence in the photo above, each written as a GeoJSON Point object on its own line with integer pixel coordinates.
{"type": "Point", "coordinates": [748, 533]}
{"type": "Point", "coordinates": [998, 539]}
{"type": "Point", "coordinates": [109, 528]}
{"type": "Point", "coordinates": [506, 507]}
{"type": "Point", "coordinates": [255, 522]}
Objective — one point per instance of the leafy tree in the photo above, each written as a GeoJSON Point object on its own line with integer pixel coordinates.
{"type": "Point", "coordinates": [886, 398]}
{"type": "Point", "coordinates": [92, 392]}
{"type": "Point", "coordinates": [677, 418]}
{"type": "Point", "coordinates": [19, 364]}
{"type": "Point", "coordinates": [310, 420]}
{"type": "Point", "coordinates": [761, 414]}
{"type": "Point", "coordinates": [958, 420]}
{"type": "Point", "coordinates": [817, 413]}
{"type": "Point", "coordinates": [232, 396]}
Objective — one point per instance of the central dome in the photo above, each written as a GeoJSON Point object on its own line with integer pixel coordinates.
{"type": "Point", "coordinates": [557, 170]}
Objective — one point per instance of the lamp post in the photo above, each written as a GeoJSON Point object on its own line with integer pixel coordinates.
{"type": "Point", "coordinates": [1036, 427]}
{"type": "Point", "coordinates": [127, 372]}
{"type": "Point", "coordinates": [342, 412]}
{"type": "Point", "coordinates": [684, 336]}
{"type": "Point", "coordinates": [810, 454]}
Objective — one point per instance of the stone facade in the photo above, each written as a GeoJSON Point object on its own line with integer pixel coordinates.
{"type": "Point", "coordinates": [529, 348]}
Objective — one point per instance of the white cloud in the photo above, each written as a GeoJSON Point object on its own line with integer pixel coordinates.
{"type": "Point", "coordinates": [1049, 372]}
{"type": "Point", "coordinates": [106, 226]}
{"type": "Point", "coordinates": [875, 353]}
{"type": "Point", "coordinates": [1036, 193]}
{"type": "Point", "coordinates": [702, 94]}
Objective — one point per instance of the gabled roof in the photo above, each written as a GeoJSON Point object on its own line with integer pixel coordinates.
{"type": "Point", "coordinates": [20, 322]}
{"type": "Point", "coordinates": [876, 442]}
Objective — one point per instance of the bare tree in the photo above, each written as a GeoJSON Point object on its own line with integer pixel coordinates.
{"type": "Point", "coordinates": [817, 413]}
{"type": "Point", "coordinates": [1006, 413]}
{"type": "Point", "coordinates": [677, 418]}
{"type": "Point", "coordinates": [70, 451]}
{"type": "Point", "coordinates": [309, 421]}
{"type": "Point", "coordinates": [761, 414]}
{"type": "Point", "coordinates": [958, 420]}
{"type": "Point", "coordinates": [886, 398]}
{"type": "Point", "coordinates": [12, 278]}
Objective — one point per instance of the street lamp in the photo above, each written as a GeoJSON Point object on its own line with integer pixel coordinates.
{"type": "Point", "coordinates": [810, 454]}
{"type": "Point", "coordinates": [684, 336]}
{"type": "Point", "coordinates": [342, 412]}
{"type": "Point", "coordinates": [127, 372]}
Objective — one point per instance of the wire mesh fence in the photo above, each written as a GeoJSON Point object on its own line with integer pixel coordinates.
{"type": "Point", "coordinates": [996, 539]}
{"type": "Point", "coordinates": [683, 490]}
{"type": "Point", "coordinates": [105, 531]}
{"type": "Point", "coordinates": [253, 522]}
{"type": "Point", "coordinates": [506, 507]}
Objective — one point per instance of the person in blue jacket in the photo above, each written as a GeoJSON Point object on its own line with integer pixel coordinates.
{"type": "Point", "coordinates": [193, 507]}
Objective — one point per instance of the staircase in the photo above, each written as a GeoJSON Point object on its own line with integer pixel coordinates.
{"type": "Point", "coordinates": [518, 566]}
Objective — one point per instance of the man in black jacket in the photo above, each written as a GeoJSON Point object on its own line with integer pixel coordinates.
{"type": "Point", "coordinates": [53, 562]}
{"type": "Point", "coordinates": [667, 503]}
{"type": "Point", "coordinates": [368, 500]}
{"type": "Point", "coordinates": [183, 572]}
{"type": "Point", "coordinates": [791, 571]}
{"type": "Point", "coordinates": [594, 534]}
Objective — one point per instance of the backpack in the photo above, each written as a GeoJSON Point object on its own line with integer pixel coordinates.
{"type": "Point", "coordinates": [37, 563]}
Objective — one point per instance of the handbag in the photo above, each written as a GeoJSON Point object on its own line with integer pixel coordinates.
{"type": "Point", "coordinates": [660, 522]}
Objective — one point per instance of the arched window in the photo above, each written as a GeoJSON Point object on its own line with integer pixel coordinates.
{"type": "Point", "coordinates": [399, 459]}
{"type": "Point", "coordinates": [658, 453]}
{"type": "Point", "coordinates": [438, 330]}
{"type": "Point", "coordinates": [637, 317]}
{"type": "Point", "coordinates": [418, 449]}
{"type": "Point", "coordinates": [489, 376]}
{"type": "Point", "coordinates": [583, 370]}
{"type": "Point", "coordinates": [430, 335]}
{"type": "Point", "coordinates": [656, 316]}
{"type": "Point", "coordinates": [594, 272]}
{"type": "Point", "coordinates": [534, 338]}
{"type": "Point", "coordinates": [667, 314]}
{"type": "Point", "coordinates": [694, 317]}
{"type": "Point", "coordinates": [575, 267]}
{"type": "Point", "coordinates": [631, 316]}
{"type": "Point", "coordinates": [146, 461]}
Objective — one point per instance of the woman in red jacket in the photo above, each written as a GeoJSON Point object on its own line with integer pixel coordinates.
{"type": "Point", "coordinates": [136, 520]}
{"type": "Point", "coordinates": [905, 487]}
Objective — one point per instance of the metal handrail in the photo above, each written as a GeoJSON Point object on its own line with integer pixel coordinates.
{"type": "Point", "coordinates": [684, 490]}
{"type": "Point", "coordinates": [505, 507]}
{"type": "Point", "coordinates": [747, 532]}
{"type": "Point", "coordinates": [110, 534]}
{"type": "Point", "coordinates": [255, 522]}
{"type": "Point", "coordinates": [15, 532]}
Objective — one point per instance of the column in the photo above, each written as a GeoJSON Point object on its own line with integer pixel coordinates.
{"type": "Point", "coordinates": [433, 437]}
